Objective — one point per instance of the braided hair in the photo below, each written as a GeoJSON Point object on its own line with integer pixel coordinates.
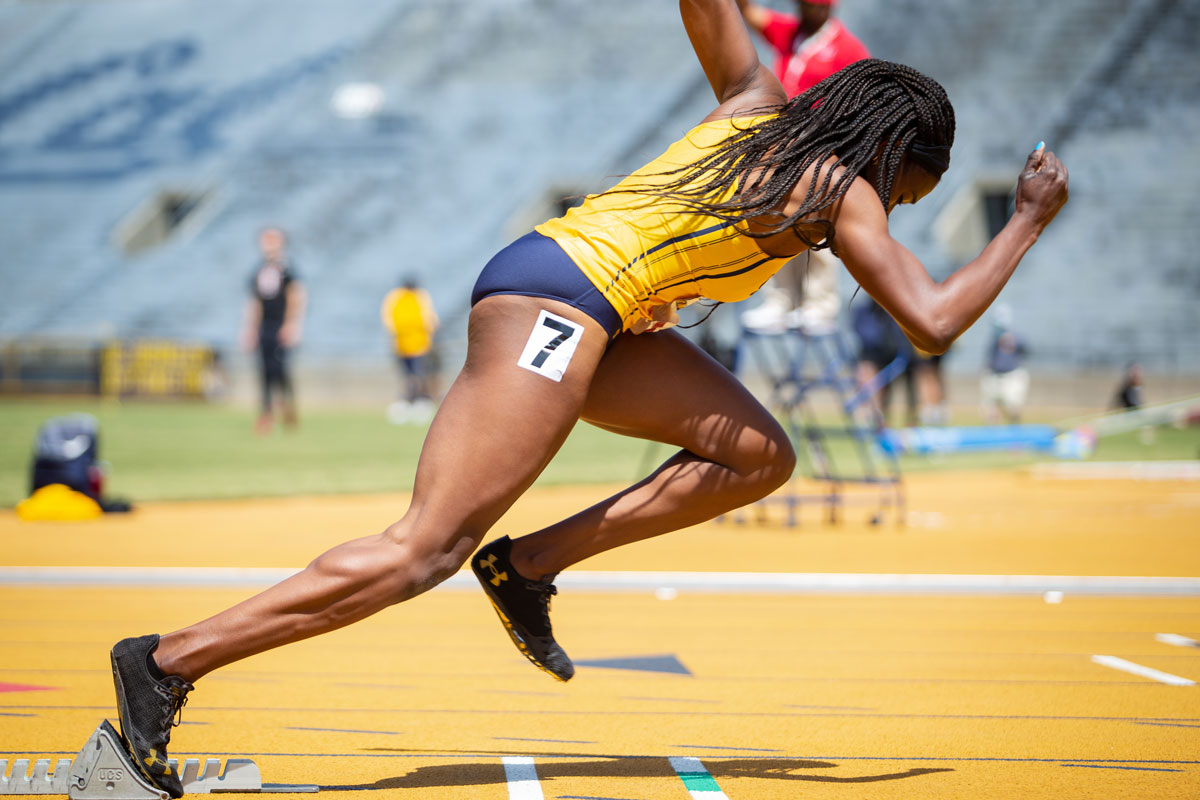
{"type": "Point", "coordinates": [868, 117]}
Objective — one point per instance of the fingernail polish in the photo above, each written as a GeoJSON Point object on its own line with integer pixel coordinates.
{"type": "Point", "coordinates": [1040, 145]}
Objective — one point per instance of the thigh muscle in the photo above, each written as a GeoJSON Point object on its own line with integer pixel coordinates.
{"type": "Point", "coordinates": [500, 423]}
{"type": "Point", "coordinates": [662, 387]}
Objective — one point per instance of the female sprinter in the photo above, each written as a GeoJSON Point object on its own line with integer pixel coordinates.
{"type": "Point", "coordinates": [567, 324]}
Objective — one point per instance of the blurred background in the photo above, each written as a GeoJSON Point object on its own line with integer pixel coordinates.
{"type": "Point", "coordinates": [144, 147]}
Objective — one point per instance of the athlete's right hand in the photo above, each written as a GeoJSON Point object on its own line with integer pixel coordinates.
{"type": "Point", "coordinates": [1042, 187]}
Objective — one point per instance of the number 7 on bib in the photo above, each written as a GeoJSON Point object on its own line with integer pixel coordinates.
{"type": "Point", "coordinates": [550, 346]}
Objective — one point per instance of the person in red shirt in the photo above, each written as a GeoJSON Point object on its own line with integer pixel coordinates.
{"type": "Point", "coordinates": [809, 47]}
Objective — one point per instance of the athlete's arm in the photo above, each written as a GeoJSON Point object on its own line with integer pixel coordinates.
{"type": "Point", "coordinates": [934, 314]}
{"type": "Point", "coordinates": [722, 44]}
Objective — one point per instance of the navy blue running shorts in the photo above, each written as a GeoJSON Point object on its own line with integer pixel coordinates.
{"type": "Point", "coordinates": [535, 266]}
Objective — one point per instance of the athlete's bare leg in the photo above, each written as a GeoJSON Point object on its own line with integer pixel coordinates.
{"type": "Point", "coordinates": [660, 386]}
{"type": "Point", "coordinates": [496, 430]}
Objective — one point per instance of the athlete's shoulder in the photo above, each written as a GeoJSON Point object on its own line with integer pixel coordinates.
{"type": "Point", "coordinates": [859, 215]}
{"type": "Point", "coordinates": [720, 127]}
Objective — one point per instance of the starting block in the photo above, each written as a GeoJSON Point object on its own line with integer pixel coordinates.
{"type": "Point", "coordinates": [104, 769]}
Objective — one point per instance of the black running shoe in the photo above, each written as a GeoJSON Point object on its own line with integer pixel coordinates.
{"type": "Point", "coordinates": [523, 607]}
{"type": "Point", "coordinates": [149, 707]}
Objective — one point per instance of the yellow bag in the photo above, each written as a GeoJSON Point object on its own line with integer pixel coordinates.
{"type": "Point", "coordinates": [58, 502]}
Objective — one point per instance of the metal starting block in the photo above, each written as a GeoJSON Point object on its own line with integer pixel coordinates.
{"type": "Point", "coordinates": [104, 769]}
{"type": "Point", "coordinates": [42, 781]}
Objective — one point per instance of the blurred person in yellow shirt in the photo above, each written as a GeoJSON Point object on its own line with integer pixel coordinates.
{"type": "Point", "coordinates": [409, 315]}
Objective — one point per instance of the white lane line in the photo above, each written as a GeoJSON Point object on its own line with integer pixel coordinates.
{"type": "Point", "coordinates": [142, 576]}
{"type": "Point", "coordinates": [1176, 639]}
{"type": "Point", "coordinates": [696, 780]}
{"type": "Point", "coordinates": [522, 778]}
{"type": "Point", "coordinates": [870, 583]}
{"type": "Point", "coordinates": [1145, 672]}
{"type": "Point", "coordinates": [1118, 470]}
{"type": "Point", "coordinates": [696, 582]}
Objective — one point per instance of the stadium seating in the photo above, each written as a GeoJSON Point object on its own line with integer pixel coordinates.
{"type": "Point", "coordinates": [492, 109]}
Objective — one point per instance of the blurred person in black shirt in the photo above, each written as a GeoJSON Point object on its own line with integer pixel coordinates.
{"type": "Point", "coordinates": [1129, 393]}
{"type": "Point", "coordinates": [1005, 383]}
{"type": "Point", "coordinates": [274, 322]}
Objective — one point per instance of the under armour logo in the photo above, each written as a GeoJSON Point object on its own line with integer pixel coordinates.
{"type": "Point", "coordinates": [154, 760]}
{"type": "Point", "coordinates": [490, 563]}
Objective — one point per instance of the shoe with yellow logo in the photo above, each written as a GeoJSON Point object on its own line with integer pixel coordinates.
{"type": "Point", "coordinates": [523, 607]}
{"type": "Point", "coordinates": [149, 704]}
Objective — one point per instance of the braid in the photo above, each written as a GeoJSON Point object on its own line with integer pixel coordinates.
{"type": "Point", "coordinates": [868, 117]}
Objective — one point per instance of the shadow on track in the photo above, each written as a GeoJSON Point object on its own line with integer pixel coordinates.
{"type": "Point", "coordinates": [553, 766]}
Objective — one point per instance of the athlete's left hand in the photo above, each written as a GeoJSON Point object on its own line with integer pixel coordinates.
{"type": "Point", "coordinates": [1042, 187]}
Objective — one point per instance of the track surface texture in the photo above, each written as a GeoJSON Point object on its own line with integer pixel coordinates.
{"type": "Point", "coordinates": [679, 692]}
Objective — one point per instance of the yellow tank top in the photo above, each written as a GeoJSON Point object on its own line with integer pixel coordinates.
{"type": "Point", "coordinates": [650, 256]}
{"type": "Point", "coordinates": [407, 315]}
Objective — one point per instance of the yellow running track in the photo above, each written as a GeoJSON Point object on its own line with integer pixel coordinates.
{"type": "Point", "coordinates": [820, 691]}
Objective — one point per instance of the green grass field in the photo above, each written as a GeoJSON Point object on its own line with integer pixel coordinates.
{"type": "Point", "coordinates": [180, 451]}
